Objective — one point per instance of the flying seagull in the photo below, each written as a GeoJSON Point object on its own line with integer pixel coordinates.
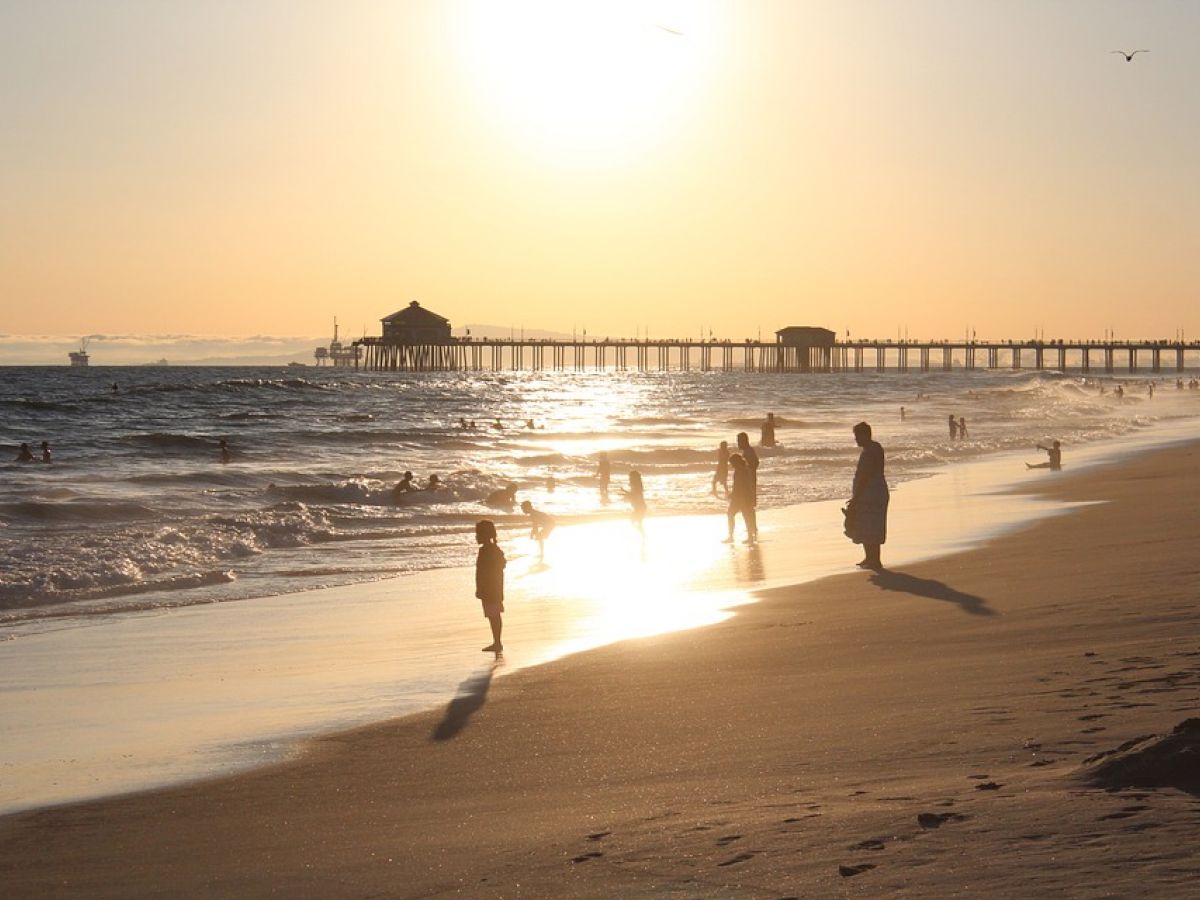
{"type": "Point", "coordinates": [670, 30]}
{"type": "Point", "coordinates": [1129, 55]}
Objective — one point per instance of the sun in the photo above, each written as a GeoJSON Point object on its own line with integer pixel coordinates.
{"type": "Point", "coordinates": [584, 81]}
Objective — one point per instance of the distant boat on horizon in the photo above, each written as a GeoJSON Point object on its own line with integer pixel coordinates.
{"type": "Point", "coordinates": [80, 357]}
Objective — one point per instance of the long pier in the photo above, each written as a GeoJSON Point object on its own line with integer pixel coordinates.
{"type": "Point", "coordinates": [478, 355]}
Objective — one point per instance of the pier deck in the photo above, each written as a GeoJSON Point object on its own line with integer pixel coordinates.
{"type": "Point", "coordinates": [476, 355]}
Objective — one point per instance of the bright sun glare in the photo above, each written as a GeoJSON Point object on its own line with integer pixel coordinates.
{"type": "Point", "coordinates": [579, 80]}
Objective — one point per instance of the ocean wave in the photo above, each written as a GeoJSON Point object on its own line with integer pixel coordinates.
{"type": "Point", "coordinates": [83, 511]}
{"type": "Point", "coordinates": [166, 440]}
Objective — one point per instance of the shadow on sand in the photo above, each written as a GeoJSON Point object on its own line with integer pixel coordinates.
{"type": "Point", "coordinates": [934, 590]}
{"type": "Point", "coordinates": [472, 694]}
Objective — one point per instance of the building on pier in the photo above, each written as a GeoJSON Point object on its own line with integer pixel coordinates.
{"type": "Point", "coordinates": [805, 348]}
{"type": "Point", "coordinates": [416, 325]}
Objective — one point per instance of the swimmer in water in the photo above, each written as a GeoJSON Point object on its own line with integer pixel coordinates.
{"type": "Point", "coordinates": [46, 455]}
{"type": "Point", "coordinates": [504, 498]}
{"type": "Point", "coordinates": [23, 455]}
{"type": "Point", "coordinates": [226, 456]}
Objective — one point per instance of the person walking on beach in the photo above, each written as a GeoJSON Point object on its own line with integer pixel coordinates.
{"type": "Point", "coordinates": [721, 476]}
{"type": "Point", "coordinates": [866, 513]}
{"type": "Point", "coordinates": [541, 524]}
{"type": "Point", "coordinates": [1054, 463]}
{"type": "Point", "coordinates": [751, 458]}
{"type": "Point", "coordinates": [489, 580]}
{"type": "Point", "coordinates": [604, 473]}
{"type": "Point", "coordinates": [47, 456]}
{"type": "Point", "coordinates": [741, 500]}
{"type": "Point", "coordinates": [23, 455]}
{"type": "Point", "coordinates": [637, 498]}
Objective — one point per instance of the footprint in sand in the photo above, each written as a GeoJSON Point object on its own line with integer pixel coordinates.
{"type": "Point", "coordinates": [988, 786]}
{"type": "Point", "coordinates": [584, 857]}
{"type": "Point", "coordinates": [740, 858]}
{"type": "Point", "coordinates": [598, 836]}
{"type": "Point", "coordinates": [937, 820]}
{"type": "Point", "coordinates": [728, 839]}
{"type": "Point", "coordinates": [850, 871]}
{"type": "Point", "coordinates": [870, 844]}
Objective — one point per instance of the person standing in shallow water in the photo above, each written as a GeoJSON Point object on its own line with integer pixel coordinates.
{"type": "Point", "coordinates": [741, 500]}
{"type": "Point", "coordinates": [23, 455]}
{"type": "Point", "coordinates": [721, 476]}
{"type": "Point", "coordinates": [866, 521]}
{"type": "Point", "coordinates": [637, 498]}
{"type": "Point", "coordinates": [489, 580]}
{"type": "Point", "coordinates": [749, 454]}
{"type": "Point", "coordinates": [604, 473]}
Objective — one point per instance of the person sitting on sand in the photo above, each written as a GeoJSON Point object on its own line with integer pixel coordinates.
{"type": "Point", "coordinates": [46, 455]}
{"type": "Point", "coordinates": [866, 513]}
{"type": "Point", "coordinates": [489, 580]}
{"type": "Point", "coordinates": [741, 500]}
{"type": "Point", "coordinates": [23, 455]}
{"type": "Point", "coordinates": [1055, 461]}
{"type": "Point", "coordinates": [721, 476]}
{"type": "Point", "coordinates": [504, 498]}
{"type": "Point", "coordinates": [541, 524]}
{"type": "Point", "coordinates": [637, 498]}
{"type": "Point", "coordinates": [226, 456]}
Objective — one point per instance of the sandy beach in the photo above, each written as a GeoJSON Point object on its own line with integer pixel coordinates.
{"type": "Point", "coordinates": [988, 723]}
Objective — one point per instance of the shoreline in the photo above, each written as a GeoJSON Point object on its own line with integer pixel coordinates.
{"type": "Point", "coordinates": [686, 760]}
{"type": "Point", "coordinates": [268, 720]}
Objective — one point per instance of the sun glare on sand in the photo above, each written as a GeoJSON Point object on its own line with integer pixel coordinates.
{"type": "Point", "coordinates": [583, 81]}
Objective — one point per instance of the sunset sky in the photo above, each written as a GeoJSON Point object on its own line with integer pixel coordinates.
{"type": "Point", "coordinates": [245, 167]}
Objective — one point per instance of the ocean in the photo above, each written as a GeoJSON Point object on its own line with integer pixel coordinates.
{"type": "Point", "coordinates": [138, 512]}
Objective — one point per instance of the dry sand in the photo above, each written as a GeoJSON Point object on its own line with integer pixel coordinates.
{"type": "Point", "coordinates": [925, 731]}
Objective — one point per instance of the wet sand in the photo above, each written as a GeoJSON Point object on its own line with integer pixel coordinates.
{"type": "Point", "coordinates": [927, 730]}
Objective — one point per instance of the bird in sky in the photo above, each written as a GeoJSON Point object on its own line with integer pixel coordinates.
{"type": "Point", "coordinates": [1129, 55]}
{"type": "Point", "coordinates": [670, 30]}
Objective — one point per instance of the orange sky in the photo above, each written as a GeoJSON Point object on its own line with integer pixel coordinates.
{"type": "Point", "coordinates": [246, 167]}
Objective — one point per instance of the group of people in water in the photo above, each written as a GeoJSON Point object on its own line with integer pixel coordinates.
{"type": "Point", "coordinates": [25, 455]}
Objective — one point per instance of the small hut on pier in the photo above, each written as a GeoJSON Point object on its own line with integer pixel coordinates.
{"type": "Point", "coordinates": [805, 348]}
{"type": "Point", "coordinates": [416, 325]}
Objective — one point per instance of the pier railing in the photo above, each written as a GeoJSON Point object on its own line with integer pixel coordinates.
{"type": "Point", "coordinates": [488, 354]}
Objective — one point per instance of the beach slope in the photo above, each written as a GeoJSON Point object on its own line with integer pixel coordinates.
{"type": "Point", "coordinates": [997, 722]}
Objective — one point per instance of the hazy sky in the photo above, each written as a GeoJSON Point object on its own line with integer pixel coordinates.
{"type": "Point", "coordinates": [245, 167]}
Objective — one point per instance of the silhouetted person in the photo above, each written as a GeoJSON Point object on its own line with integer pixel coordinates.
{"type": "Point", "coordinates": [903, 414]}
{"type": "Point", "coordinates": [462, 423]}
{"type": "Point", "coordinates": [604, 473]}
{"type": "Point", "coordinates": [404, 486]}
{"type": "Point", "coordinates": [433, 483]}
{"type": "Point", "coordinates": [46, 454]}
{"type": "Point", "coordinates": [1054, 463]}
{"type": "Point", "coordinates": [953, 427]}
{"type": "Point", "coordinates": [866, 516]}
{"type": "Point", "coordinates": [540, 526]}
{"type": "Point", "coordinates": [23, 455]}
{"type": "Point", "coordinates": [751, 458]}
{"type": "Point", "coordinates": [116, 388]}
{"type": "Point", "coordinates": [551, 484]}
{"type": "Point", "coordinates": [503, 498]}
{"type": "Point", "coordinates": [741, 500]}
{"type": "Point", "coordinates": [767, 433]}
{"type": "Point", "coordinates": [489, 580]}
{"type": "Point", "coordinates": [721, 476]}
{"type": "Point", "coordinates": [637, 498]}
{"type": "Point", "coordinates": [962, 428]}
{"type": "Point", "coordinates": [226, 456]}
